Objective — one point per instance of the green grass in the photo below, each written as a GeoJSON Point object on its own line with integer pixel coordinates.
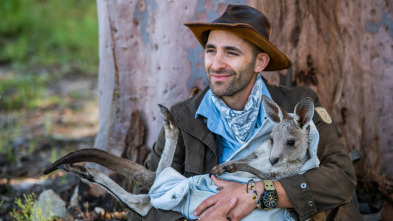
{"type": "Point", "coordinates": [22, 91]}
{"type": "Point", "coordinates": [55, 33]}
{"type": "Point", "coordinates": [41, 41]}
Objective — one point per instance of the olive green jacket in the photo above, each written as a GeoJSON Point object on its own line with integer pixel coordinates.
{"type": "Point", "coordinates": [326, 189]}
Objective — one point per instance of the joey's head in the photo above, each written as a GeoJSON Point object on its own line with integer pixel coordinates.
{"type": "Point", "coordinates": [289, 137]}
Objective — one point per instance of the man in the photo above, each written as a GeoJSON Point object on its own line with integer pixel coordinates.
{"type": "Point", "coordinates": [215, 123]}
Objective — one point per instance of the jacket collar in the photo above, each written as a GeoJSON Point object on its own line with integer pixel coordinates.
{"type": "Point", "coordinates": [194, 126]}
{"type": "Point", "coordinates": [279, 97]}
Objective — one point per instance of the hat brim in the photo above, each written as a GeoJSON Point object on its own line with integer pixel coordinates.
{"type": "Point", "coordinates": [278, 60]}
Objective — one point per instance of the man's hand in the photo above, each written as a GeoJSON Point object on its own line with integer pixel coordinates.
{"type": "Point", "coordinates": [220, 214]}
{"type": "Point", "coordinates": [217, 205]}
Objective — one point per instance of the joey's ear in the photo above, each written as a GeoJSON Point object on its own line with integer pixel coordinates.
{"type": "Point", "coordinates": [304, 111]}
{"type": "Point", "coordinates": [272, 110]}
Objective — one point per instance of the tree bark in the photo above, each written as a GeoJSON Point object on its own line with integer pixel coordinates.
{"type": "Point", "coordinates": [343, 50]}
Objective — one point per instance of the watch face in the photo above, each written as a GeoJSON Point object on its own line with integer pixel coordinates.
{"type": "Point", "coordinates": [270, 200]}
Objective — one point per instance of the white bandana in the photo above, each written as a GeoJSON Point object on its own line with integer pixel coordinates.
{"type": "Point", "coordinates": [240, 124]}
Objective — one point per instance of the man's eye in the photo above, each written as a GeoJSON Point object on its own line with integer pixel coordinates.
{"type": "Point", "coordinates": [232, 53]}
{"type": "Point", "coordinates": [209, 51]}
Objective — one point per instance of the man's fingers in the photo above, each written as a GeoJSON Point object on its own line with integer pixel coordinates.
{"type": "Point", "coordinates": [218, 182]}
{"type": "Point", "coordinates": [232, 204]}
{"type": "Point", "coordinates": [205, 204]}
{"type": "Point", "coordinates": [221, 212]}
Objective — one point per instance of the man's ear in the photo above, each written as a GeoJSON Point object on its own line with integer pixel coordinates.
{"type": "Point", "coordinates": [261, 62]}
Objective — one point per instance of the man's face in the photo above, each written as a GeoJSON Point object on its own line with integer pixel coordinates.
{"type": "Point", "coordinates": [229, 63]}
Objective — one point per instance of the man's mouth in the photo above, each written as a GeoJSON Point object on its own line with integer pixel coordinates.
{"type": "Point", "coordinates": [220, 77]}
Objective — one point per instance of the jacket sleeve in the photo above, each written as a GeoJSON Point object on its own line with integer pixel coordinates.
{"type": "Point", "coordinates": [328, 186]}
{"type": "Point", "coordinates": [152, 164]}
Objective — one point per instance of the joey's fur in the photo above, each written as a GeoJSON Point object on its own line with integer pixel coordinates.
{"type": "Point", "coordinates": [281, 156]}
{"type": "Point", "coordinates": [287, 149]}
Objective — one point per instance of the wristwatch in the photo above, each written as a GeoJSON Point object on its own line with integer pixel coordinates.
{"type": "Point", "coordinates": [269, 198]}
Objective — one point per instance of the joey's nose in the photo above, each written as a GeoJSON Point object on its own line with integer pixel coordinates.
{"type": "Point", "coordinates": [273, 161]}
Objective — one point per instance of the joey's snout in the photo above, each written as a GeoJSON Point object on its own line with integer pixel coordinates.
{"type": "Point", "coordinates": [273, 160]}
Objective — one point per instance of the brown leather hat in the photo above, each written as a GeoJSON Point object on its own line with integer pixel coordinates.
{"type": "Point", "coordinates": [248, 23]}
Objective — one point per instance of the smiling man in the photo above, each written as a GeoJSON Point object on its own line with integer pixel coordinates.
{"type": "Point", "coordinates": [232, 64]}
{"type": "Point", "coordinates": [217, 122]}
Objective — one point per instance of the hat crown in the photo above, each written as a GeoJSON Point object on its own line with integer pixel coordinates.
{"type": "Point", "coordinates": [245, 14]}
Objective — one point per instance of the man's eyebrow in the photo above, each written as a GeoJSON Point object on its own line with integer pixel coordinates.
{"type": "Point", "coordinates": [231, 48]}
{"type": "Point", "coordinates": [227, 48]}
{"type": "Point", "coordinates": [209, 46]}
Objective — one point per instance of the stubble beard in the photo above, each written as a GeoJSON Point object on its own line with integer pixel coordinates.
{"type": "Point", "coordinates": [239, 80]}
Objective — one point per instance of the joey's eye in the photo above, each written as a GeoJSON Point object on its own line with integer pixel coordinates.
{"type": "Point", "coordinates": [291, 143]}
{"type": "Point", "coordinates": [271, 140]}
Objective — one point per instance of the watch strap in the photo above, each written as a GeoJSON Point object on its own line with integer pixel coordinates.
{"type": "Point", "coordinates": [269, 185]}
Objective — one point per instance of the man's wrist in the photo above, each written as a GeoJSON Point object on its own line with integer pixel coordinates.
{"type": "Point", "coordinates": [259, 188]}
{"type": "Point", "coordinates": [284, 201]}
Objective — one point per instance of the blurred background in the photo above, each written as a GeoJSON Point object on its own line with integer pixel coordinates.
{"type": "Point", "coordinates": [48, 92]}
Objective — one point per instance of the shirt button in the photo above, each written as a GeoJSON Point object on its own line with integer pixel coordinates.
{"type": "Point", "coordinates": [174, 197]}
{"type": "Point", "coordinates": [303, 185]}
{"type": "Point", "coordinates": [310, 203]}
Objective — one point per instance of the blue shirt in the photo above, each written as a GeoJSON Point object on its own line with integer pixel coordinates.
{"type": "Point", "coordinates": [226, 146]}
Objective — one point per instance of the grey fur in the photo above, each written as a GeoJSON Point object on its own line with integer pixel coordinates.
{"type": "Point", "coordinates": [277, 157]}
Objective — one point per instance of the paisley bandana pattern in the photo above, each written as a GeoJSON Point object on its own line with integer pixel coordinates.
{"type": "Point", "coordinates": [240, 124]}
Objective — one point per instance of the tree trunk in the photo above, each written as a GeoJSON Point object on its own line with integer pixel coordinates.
{"type": "Point", "coordinates": [342, 49]}
{"type": "Point", "coordinates": [147, 57]}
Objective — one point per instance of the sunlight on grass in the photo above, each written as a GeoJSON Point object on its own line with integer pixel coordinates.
{"type": "Point", "coordinates": [21, 91]}
{"type": "Point", "coordinates": [42, 43]}
{"type": "Point", "coordinates": [46, 33]}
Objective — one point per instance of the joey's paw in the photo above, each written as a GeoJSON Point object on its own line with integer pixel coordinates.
{"type": "Point", "coordinates": [217, 170]}
{"type": "Point", "coordinates": [230, 168]}
{"type": "Point", "coordinates": [222, 168]}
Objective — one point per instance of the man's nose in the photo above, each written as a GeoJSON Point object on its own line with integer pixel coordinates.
{"type": "Point", "coordinates": [218, 62]}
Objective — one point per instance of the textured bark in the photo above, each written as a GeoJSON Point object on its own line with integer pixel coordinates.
{"type": "Point", "coordinates": [135, 148]}
{"type": "Point", "coordinates": [343, 50]}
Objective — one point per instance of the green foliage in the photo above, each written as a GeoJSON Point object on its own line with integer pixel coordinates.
{"type": "Point", "coordinates": [41, 43]}
{"type": "Point", "coordinates": [21, 91]}
{"type": "Point", "coordinates": [26, 210]}
{"type": "Point", "coordinates": [54, 155]}
{"type": "Point", "coordinates": [49, 33]}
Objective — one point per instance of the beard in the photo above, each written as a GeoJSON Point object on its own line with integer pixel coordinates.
{"type": "Point", "coordinates": [237, 81]}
